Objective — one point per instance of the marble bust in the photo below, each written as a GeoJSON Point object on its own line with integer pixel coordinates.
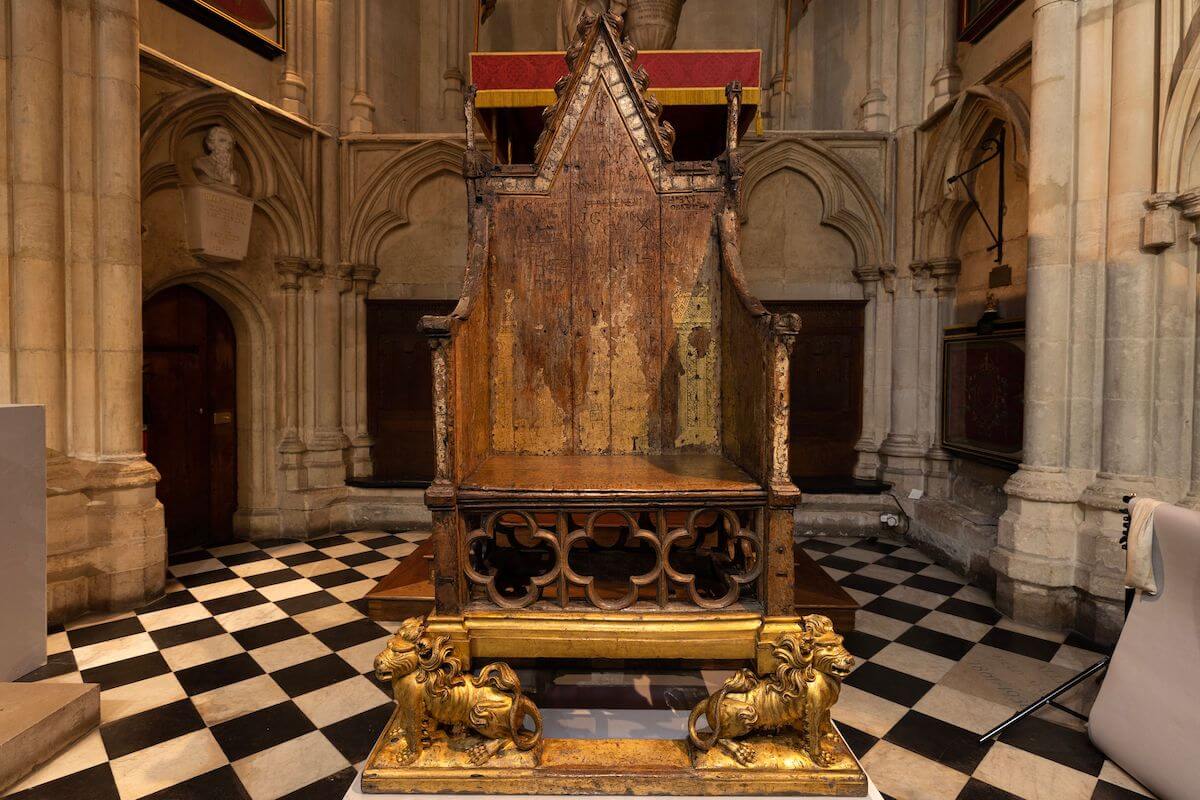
{"type": "Point", "coordinates": [216, 165]}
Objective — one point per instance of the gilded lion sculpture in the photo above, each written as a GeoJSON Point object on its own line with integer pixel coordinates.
{"type": "Point", "coordinates": [811, 664]}
{"type": "Point", "coordinates": [431, 690]}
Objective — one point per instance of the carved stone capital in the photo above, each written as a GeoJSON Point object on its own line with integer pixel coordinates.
{"type": "Point", "coordinates": [922, 272]}
{"type": "Point", "coordinates": [887, 274]}
{"type": "Point", "coordinates": [1158, 223]}
{"type": "Point", "coordinates": [289, 269]}
{"type": "Point", "coordinates": [945, 272]}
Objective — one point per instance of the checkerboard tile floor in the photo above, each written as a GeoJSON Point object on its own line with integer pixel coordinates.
{"type": "Point", "coordinates": [252, 678]}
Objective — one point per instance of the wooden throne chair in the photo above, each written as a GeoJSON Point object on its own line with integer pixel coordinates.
{"type": "Point", "coordinates": [611, 403]}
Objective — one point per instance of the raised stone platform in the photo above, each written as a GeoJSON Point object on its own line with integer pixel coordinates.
{"type": "Point", "coordinates": [37, 720]}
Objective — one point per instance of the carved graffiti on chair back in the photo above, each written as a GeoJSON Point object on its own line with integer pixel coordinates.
{"type": "Point", "coordinates": [611, 412]}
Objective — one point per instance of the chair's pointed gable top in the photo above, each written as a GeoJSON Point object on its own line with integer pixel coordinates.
{"type": "Point", "coordinates": [598, 56]}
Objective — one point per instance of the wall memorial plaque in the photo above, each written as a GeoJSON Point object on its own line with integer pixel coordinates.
{"type": "Point", "coordinates": [983, 391]}
{"type": "Point", "coordinates": [218, 222]}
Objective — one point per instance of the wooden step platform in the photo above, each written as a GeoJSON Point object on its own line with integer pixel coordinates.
{"type": "Point", "coordinates": [407, 591]}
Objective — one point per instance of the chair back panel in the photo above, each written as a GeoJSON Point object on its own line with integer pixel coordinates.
{"type": "Point", "coordinates": [604, 304]}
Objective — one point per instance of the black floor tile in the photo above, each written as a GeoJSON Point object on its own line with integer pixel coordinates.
{"type": "Point", "coordinates": [877, 546]}
{"type": "Point", "coordinates": [936, 642]}
{"type": "Point", "coordinates": [889, 684]}
{"type": "Point", "coordinates": [341, 576]}
{"type": "Point", "coordinates": [307, 557]}
{"type": "Point", "coordinates": [358, 559]}
{"type": "Point", "coordinates": [187, 556]}
{"type": "Point", "coordinates": [349, 634]}
{"type": "Point", "coordinates": [252, 733]}
{"type": "Point", "coordinates": [248, 557]}
{"type": "Point", "coordinates": [272, 578]}
{"type": "Point", "coordinates": [187, 632]}
{"type": "Point", "coordinates": [385, 540]}
{"type": "Point", "coordinates": [935, 585]}
{"type": "Point", "coordinates": [139, 731]}
{"type": "Point", "coordinates": [865, 584]}
{"type": "Point", "coordinates": [971, 611]}
{"type": "Point", "coordinates": [57, 664]}
{"type": "Point", "coordinates": [863, 645]}
{"type": "Point", "coordinates": [104, 632]}
{"type": "Point", "coordinates": [842, 563]}
{"type": "Point", "coordinates": [328, 541]}
{"type": "Point", "coordinates": [270, 633]}
{"type": "Point", "coordinates": [307, 602]}
{"type": "Point", "coordinates": [311, 675]}
{"type": "Point", "coordinates": [859, 742]}
{"type": "Point", "coordinates": [1110, 791]}
{"type": "Point", "coordinates": [978, 790]}
{"type": "Point", "coordinates": [221, 783]}
{"type": "Point", "coordinates": [821, 546]}
{"type": "Point", "coordinates": [1075, 640]}
{"type": "Point", "coordinates": [1067, 746]}
{"type": "Point", "coordinates": [234, 602]}
{"type": "Point", "coordinates": [131, 670]}
{"type": "Point", "coordinates": [275, 541]}
{"type": "Point", "coordinates": [215, 674]}
{"type": "Point", "coordinates": [179, 597]}
{"type": "Point", "coordinates": [205, 578]}
{"type": "Point", "coordinates": [938, 741]}
{"type": "Point", "coordinates": [90, 784]}
{"type": "Point", "coordinates": [905, 564]}
{"type": "Point", "coordinates": [332, 788]}
{"type": "Point", "coordinates": [896, 609]}
{"type": "Point", "coordinates": [1014, 642]}
{"type": "Point", "coordinates": [355, 736]}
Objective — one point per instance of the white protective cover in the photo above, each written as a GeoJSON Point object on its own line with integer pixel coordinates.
{"type": "Point", "coordinates": [1147, 715]}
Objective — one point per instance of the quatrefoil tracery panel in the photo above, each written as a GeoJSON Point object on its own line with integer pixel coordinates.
{"type": "Point", "coordinates": [613, 558]}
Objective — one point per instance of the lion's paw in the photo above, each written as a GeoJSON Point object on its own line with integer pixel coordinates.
{"type": "Point", "coordinates": [479, 754]}
{"type": "Point", "coordinates": [744, 753]}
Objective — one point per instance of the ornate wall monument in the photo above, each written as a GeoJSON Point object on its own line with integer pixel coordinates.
{"type": "Point", "coordinates": [218, 215]}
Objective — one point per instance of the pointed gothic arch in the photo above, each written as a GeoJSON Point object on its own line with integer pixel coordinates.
{"type": "Point", "coordinates": [273, 181]}
{"type": "Point", "coordinates": [846, 201]}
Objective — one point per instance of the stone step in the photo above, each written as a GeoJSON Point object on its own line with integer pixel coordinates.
{"type": "Point", "coordinates": [38, 720]}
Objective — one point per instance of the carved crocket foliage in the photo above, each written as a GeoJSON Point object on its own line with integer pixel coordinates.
{"type": "Point", "coordinates": [626, 54]}
{"type": "Point", "coordinates": [431, 690]}
{"type": "Point", "coordinates": [811, 664]}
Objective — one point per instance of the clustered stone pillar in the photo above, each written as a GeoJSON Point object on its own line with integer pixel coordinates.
{"type": "Point", "coordinates": [358, 279]}
{"type": "Point", "coordinates": [291, 446]}
{"type": "Point", "coordinates": [866, 466]}
{"type": "Point", "coordinates": [1034, 558]}
{"type": "Point", "coordinates": [75, 294]}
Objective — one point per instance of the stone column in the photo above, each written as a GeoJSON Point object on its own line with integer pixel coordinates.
{"type": "Point", "coordinates": [362, 110]}
{"type": "Point", "coordinates": [38, 278]}
{"type": "Point", "coordinates": [453, 80]}
{"type": "Point", "coordinates": [293, 89]}
{"type": "Point", "coordinates": [948, 76]}
{"type": "Point", "coordinates": [1034, 558]}
{"type": "Point", "coordinates": [867, 446]}
{"type": "Point", "coordinates": [943, 273]}
{"type": "Point", "coordinates": [874, 105]}
{"type": "Point", "coordinates": [902, 450]}
{"type": "Point", "coordinates": [361, 441]}
{"type": "Point", "coordinates": [291, 446]}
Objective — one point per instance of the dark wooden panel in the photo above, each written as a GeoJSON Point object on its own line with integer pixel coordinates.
{"type": "Point", "coordinates": [400, 389]}
{"type": "Point", "coordinates": [189, 410]}
{"type": "Point", "coordinates": [826, 387]}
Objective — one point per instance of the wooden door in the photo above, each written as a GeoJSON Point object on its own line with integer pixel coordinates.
{"type": "Point", "coordinates": [826, 387]}
{"type": "Point", "coordinates": [400, 389]}
{"type": "Point", "coordinates": [189, 412]}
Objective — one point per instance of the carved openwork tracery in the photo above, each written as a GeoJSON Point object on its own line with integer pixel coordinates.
{"type": "Point", "coordinates": [615, 558]}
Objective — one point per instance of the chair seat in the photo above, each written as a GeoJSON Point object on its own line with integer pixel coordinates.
{"type": "Point", "coordinates": [686, 475]}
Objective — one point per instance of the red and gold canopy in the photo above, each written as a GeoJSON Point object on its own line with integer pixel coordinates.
{"type": "Point", "coordinates": [514, 87]}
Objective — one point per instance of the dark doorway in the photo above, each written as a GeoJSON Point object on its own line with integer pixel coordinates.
{"type": "Point", "coordinates": [400, 390]}
{"type": "Point", "coordinates": [826, 390]}
{"type": "Point", "coordinates": [189, 412]}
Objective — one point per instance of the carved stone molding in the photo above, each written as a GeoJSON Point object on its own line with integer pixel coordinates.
{"type": "Point", "coordinates": [1158, 223]}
